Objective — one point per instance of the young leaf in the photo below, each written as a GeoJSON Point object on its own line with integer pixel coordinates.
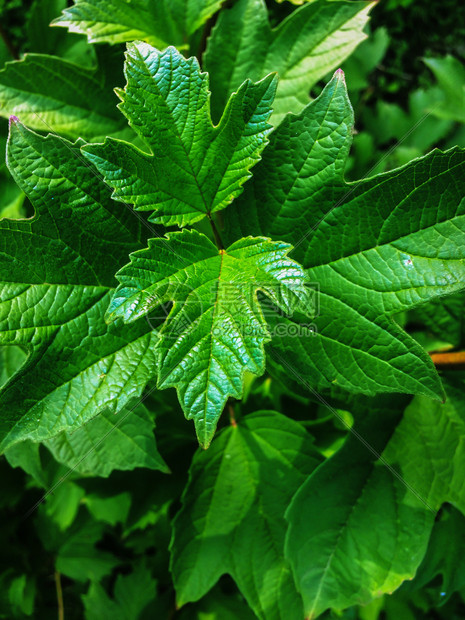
{"type": "Point", "coordinates": [312, 41]}
{"type": "Point", "coordinates": [57, 277]}
{"type": "Point", "coordinates": [160, 23]}
{"type": "Point", "coordinates": [216, 329]}
{"type": "Point", "coordinates": [375, 247]}
{"type": "Point", "coordinates": [239, 491]}
{"type": "Point", "coordinates": [366, 529]}
{"type": "Point", "coordinates": [194, 169]}
{"type": "Point", "coordinates": [51, 94]}
{"type": "Point", "coordinates": [91, 451]}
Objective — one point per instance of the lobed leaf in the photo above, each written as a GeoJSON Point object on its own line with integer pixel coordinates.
{"type": "Point", "coordinates": [239, 491]}
{"type": "Point", "coordinates": [367, 528]}
{"type": "Point", "coordinates": [216, 328]}
{"type": "Point", "coordinates": [372, 248]}
{"type": "Point", "coordinates": [302, 49]}
{"type": "Point", "coordinates": [194, 169]}
{"type": "Point", "coordinates": [57, 277]}
{"type": "Point", "coordinates": [160, 23]}
{"type": "Point", "coordinates": [51, 94]}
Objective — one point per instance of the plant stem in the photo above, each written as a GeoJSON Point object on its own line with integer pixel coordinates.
{"type": "Point", "coordinates": [61, 609]}
{"type": "Point", "coordinates": [232, 416]}
{"type": "Point", "coordinates": [9, 45]}
{"type": "Point", "coordinates": [449, 359]}
{"type": "Point", "coordinates": [216, 234]}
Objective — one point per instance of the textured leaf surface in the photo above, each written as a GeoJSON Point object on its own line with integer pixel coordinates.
{"type": "Point", "coordinates": [160, 22]}
{"type": "Point", "coordinates": [364, 531]}
{"type": "Point", "coordinates": [312, 41]}
{"type": "Point", "coordinates": [56, 273]}
{"type": "Point", "coordinates": [216, 329]}
{"type": "Point", "coordinates": [374, 248]}
{"type": "Point", "coordinates": [195, 168]}
{"type": "Point", "coordinates": [239, 491]}
{"type": "Point", "coordinates": [50, 94]}
{"type": "Point", "coordinates": [123, 441]}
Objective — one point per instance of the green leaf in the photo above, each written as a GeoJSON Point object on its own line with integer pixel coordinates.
{"type": "Point", "coordinates": [450, 74]}
{"type": "Point", "coordinates": [312, 41]}
{"type": "Point", "coordinates": [238, 491]}
{"type": "Point", "coordinates": [366, 529]}
{"type": "Point", "coordinates": [160, 23]}
{"type": "Point", "coordinates": [22, 593]}
{"type": "Point", "coordinates": [443, 317]}
{"type": "Point", "coordinates": [132, 594]}
{"type": "Point", "coordinates": [194, 169]}
{"type": "Point", "coordinates": [63, 504]}
{"type": "Point", "coordinates": [11, 360]}
{"type": "Point", "coordinates": [27, 456]}
{"type": "Point", "coordinates": [444, 558]}
{"type": "Point", "coordinates": [372, 248]}
{"type": "Point", "coordinates": [79, 558]}
{"type": "Point", "coordinates": [112, 510]}
{"type": "Point", "coordinates": [51, 94]}
{"type": "Point", "coordinates": [45, 40]}
{"type": "Point", "coordinates": [110, 441]}
{"type": "Point", "coordinates": [216, 329]}
{"type": "Point", "coordinates": [54, 302]}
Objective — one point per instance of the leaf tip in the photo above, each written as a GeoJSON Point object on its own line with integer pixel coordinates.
{"type": "Point", "coordinates": [14, 120]}
{"type": "Point", "coordinates": [340, 75]}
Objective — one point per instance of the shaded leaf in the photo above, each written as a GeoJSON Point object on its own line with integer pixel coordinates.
{"type": "Point", "coordinates": [110, 441]}
{"type": "Point", "coordinates": [239, 491]}
{"type": "Point", "coordinates": [132, 594]}
{"type": "Point", "coordinates": [366, 528]}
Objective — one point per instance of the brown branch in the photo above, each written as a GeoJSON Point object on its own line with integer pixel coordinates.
{"type": "Point", "coordinates": [61, 609]}
{"type": "Point", "coordinates": [456, 358]}
{"type": "Point", "coordinates": [232, 416]}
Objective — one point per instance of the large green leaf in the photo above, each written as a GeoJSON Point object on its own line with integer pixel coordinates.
{"type": "Point", "coordinates": [366, 528]}
{"type": "Point", "coordinates": [57, 278]}
{"type": "Point", "coordinates": [158, 22]}
{"type": "Point", "coordinates": [51, 94]}
{"type": "Point", "coordinates": [238, 491]}
{"type": "Point", "coordinates": [312, 41]}
{"type": "Point", "coordinates": [194, 168]}
{"type": "Point", "coordinates": [373, 248]}
{"type": "Point", "coordinates": [109, 442]}
{"type": "Point", "coordinates": [216, 329]}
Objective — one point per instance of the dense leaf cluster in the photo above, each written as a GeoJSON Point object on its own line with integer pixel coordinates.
{"type": "Point", "coordinates": [197, 231]}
